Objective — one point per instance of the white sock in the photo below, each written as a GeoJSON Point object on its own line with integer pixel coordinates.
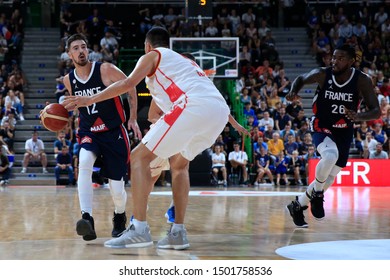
{"type": "Point", "coordinates": [303, 198]}
{"type": "Point", "coordinates": [139, 225]}
{"type": "Point", "coordinates": [177, 227]}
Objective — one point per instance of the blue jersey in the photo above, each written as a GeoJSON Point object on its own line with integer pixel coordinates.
{"type": "Point", "coordinates": [98, 117]}
{"type": "Point", "coordinates": [330, 101]}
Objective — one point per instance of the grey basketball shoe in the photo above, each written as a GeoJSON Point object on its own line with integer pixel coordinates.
{"type": "Point", "coordinates": [174, 240]}
{"type": "Point", "coordinates": [131, 239]}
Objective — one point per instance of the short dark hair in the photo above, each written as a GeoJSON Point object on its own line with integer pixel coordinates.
{"type": "Point", "coordinates": [348, 49]}
{"type": "Point", "coordinates": [75, 37]}
{"type": "Point", "coordinates": [158, 37]}
{"type": "Point", "coordinates": [188, 55]}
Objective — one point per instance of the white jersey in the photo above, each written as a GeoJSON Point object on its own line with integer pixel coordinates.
{"type": "Point", "coordinates": [195, 112]}
{"type": "Point", "coordinates": [171, 83]}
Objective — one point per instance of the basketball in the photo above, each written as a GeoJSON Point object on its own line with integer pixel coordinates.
{"type": "Point", "coordinates": [54, 117]}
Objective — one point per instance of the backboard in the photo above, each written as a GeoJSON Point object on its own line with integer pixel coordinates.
{"type": "Point", "coordinates": [211, 53]}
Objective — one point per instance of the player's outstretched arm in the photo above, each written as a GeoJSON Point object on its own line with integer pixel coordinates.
{"type": "Point", "coordinates": [316, 75]}
{"type": "Point", "coordinates": [237, 126]}
{"type": "Point", "coordinates": [145, 65]}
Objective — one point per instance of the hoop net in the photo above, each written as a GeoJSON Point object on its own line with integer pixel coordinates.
{"type": "Point", "coordinates": [210, 73]}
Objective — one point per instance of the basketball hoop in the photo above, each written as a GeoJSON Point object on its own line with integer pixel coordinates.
{"type": "Point", "coordinates": [210, 73]}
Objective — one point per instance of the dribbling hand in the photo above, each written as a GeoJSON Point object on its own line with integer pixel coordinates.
{"type": "Point", "coordinates": [292, 96]}
{"type": "Point", "coordinates": [351, 115]}
{"type": "Point", "coordinates": [73, 102]}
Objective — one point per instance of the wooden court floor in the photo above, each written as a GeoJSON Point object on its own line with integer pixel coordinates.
{"type": "Point", "coordinates": [38, 223]}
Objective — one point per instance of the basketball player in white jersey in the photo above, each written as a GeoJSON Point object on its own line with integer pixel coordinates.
{"type": "Point", "coordinates": [195, 113]}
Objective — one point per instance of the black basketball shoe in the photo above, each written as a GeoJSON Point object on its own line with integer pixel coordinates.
{"type": "Point", "coordinates": [86, 227]}
{"type": "Point", "coordinates": [317, 204]}
{"type": "Point", "coordinates": [296, 212]}
{"type": "Point", "coordinates": [119, 224]}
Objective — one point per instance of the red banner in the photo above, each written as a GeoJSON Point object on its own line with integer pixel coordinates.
{"type": "Point", "coordinates": [359, 172]}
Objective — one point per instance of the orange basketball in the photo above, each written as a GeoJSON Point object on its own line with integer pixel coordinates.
{"type": "Point", "coordinates": [54, 117]}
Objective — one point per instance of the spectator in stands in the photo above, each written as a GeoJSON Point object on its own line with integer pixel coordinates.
{"type": "Point", "coordinates": [60, 142]}
{"type": "Point", "coordinates": [95, 26]}
{"type": "Point", "coordinates": [290, 145]}
{"type": "Point", "coordinates": [359, 29]}
{"type": "Point", "coordinates": [311, 154]}
{"type": "Point", "coordinates": [218, 165]}
{"type": "Point", "coordinates": [263, 29]}
{"type": "Point", "coordinates": [265, 67]}
{"type": "Point", "coordinates": [67, 22]}
{"type": "Point", "coordinates": [251, 30]}
{"type": "Point", "coordinates": [296, 167]}
{"type": "Point", "coordinates": [3, 48]}
{"type": "Point", "coordinates": [365, 16]}
{"type": "Point", "coordinates": [244, 96]}
{"type": "Point", "coordinates": [313, 23]}
{"type": "Point", "coordinates": [380, 17]}
{"type": "Point", "coordinates": [35, 151]}
{"type": "Point", "coordinates": [248, 17]}
{"type": "Point", "coordinates": [267, 134]}
{"type": "Point", "coordinates": [95, 54]}
{"type": "Point", "coordinates": [369, 145]}
{"type": "Point", "coordinates": [15, 103]}
{"type": "Point", "coordinates": [265, 121]}
{"type": "Point", "coordinates": [283, 84]}
{"type": "Point", "coordinates": [281, 163]}
{"type": "Point", "coordinates": [9, 115]}
{"type": "Point", "coordinates": [170, 17]}
{"type": "Point", "coordinates": [327, 20]}
{"type": "Point", "coordinates": [248, 111]}
{"type": "Point", "coordinates": [245, 57]}
{"type": "Point", "coordinates": [306, 143]}
{"type": "Point", "coordinates": [321, 45]}
{"type": "Point", "coordinates": [5, 170]}
{"type": "Point", "coordinates": [7, 134]}
{"type": "Point", "coordinates": [287, 130]}
{"type": "Point", "coordinates": [18, 84]}
{"type": "Point", "coordinates": [378, 153]}
{"type": "Point", "coordinates": [109, 43]}
{"type": "Point", "coordinates": [238, 160]}
{"type": "Point", "coordinates": [64, 164]}
{"type": "Point", "coordinates": [361, 133]}
{"type": "Point", "coordinates": [211, 30]}
{"type": "Point", "coordinates": [369, 56]}
{"type": "Point", "coordinates": [263, 162]}
{"type": "Point", "coordinates": [293, 108]}
{"type": "Point", "coordinates": [345, 32]}
{"type": "Point", "coordinates": [275, 145]}
{"type": "Point", "coordinates": [262, 107]}
{"type": "Point", "coordinates": [282, 119]}
{"type": "Point", "coordinates": [379, 134]}
{"type": "Point", "coordinates": [301, 132]}
{"type": "Point", "coordinates": [297, 122]}
{"type": "Point", "coordinates": [385, 88]}
{"type": "Point", "coordinates": [259, 144]}
{"type": "Point", "coordinates": [255, 134]}
{"type": "Point", "coordinates": [234, 20]}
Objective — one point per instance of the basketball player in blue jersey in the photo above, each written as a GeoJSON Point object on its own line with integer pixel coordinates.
{"type": "Point", "coordinates": [101, 134]}
{"type": "Point", "coordinates": [194, 114]}
{"type": "Point", "coordinates": [341, 88]}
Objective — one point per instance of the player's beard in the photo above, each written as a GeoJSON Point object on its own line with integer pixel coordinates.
{"type": "Point", "coordinates": [339, 72]}
{"type": "Point", "coordinates": [81, 62]}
